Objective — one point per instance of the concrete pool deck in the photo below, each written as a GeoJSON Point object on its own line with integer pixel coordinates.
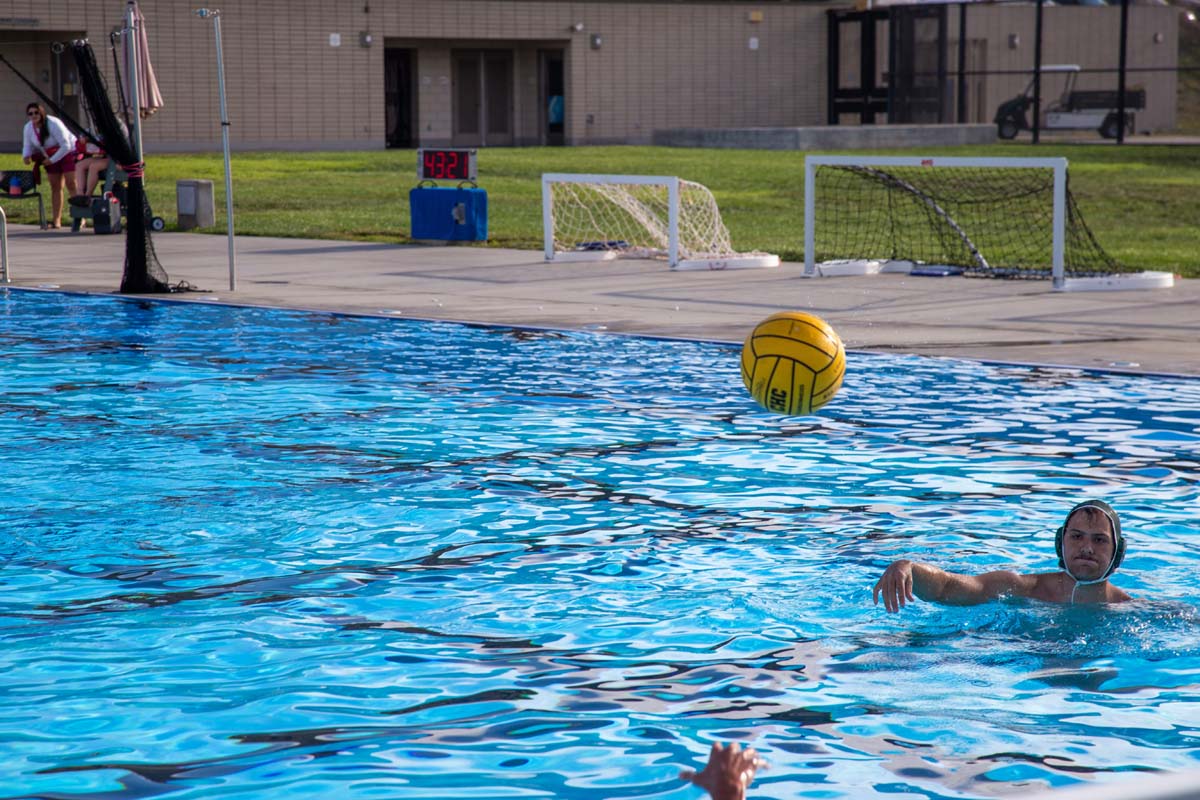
{"type": "Point", "coordinates": [1019, 321]}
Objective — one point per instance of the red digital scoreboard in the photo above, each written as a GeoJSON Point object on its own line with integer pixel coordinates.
{"type": "Point", "coordinates": [436, 164]}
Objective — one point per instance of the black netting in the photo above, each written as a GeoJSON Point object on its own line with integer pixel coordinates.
{"type": "Point", "coordinates": [995, 222]}
{"type": "Point", "coordinates": [143, 272]}
{"type": "Point", "coordinates": [74, 125]}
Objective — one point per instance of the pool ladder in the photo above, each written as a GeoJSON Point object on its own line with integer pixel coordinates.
{"type": "Point", "coordinates": [4, 245]}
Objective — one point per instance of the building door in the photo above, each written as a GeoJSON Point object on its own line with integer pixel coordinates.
{"type": "Point", "coordinates": [399, 84]}
{"type": "Point", "coordinates": [553, 97]}
{"type": "Point", "coordinates": [915, 87]}
{"type": "Point", "coordinates": [483, 98]}
{"type": "Point", "coordinates": [919, 84]}
{"type": "Point", "coordinates": [855, 83]}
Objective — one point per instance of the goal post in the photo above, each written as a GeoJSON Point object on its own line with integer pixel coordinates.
{"type": "Point", "coordinates": [586, 249]}
{"type": "Point", "coordinates": [587, 217]}
{"type": "Point", "coordinates": [982, 217]}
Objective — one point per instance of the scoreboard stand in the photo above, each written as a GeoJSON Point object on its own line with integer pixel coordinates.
{"type": "Point", "coordinates": [443, 213]}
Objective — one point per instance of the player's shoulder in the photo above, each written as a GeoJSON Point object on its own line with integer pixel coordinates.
{"type": "Point", "coordinates": [1028, 584]}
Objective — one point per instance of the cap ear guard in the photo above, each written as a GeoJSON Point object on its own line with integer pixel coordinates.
{"type": "Point", "coordinates": [1118, 556]}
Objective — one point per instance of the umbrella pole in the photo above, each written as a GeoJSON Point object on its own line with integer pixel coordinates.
{"type": "Point", "coordinates": [131, 71]}
{"type": "Point", "coordinates": [215, 13]}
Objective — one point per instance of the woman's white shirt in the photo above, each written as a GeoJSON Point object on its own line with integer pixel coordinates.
{"type": "Point", "coordinates": [59, 135]}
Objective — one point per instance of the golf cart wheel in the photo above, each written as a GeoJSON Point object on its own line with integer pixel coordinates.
{"type": "Point", "coordinates": [1110, 127]}
{"type": "Point", "coordinates": [1007, 128]}
{"type": "Point", "coordinates": [158, 224]}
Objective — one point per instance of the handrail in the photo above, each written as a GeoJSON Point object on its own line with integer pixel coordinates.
{"type": "Point", "coordinates": [4, 245]}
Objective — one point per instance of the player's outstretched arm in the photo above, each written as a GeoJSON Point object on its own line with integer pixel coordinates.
{"type": "Point", "coordinates": [904, 581]}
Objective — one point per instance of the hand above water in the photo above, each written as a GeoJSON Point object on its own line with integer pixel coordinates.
{"type": "Point", "coordinates": [729, 771]}
{"type": "Point", "coordinates": [896, 586]}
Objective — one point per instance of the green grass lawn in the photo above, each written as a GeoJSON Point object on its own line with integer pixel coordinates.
{"type": "Point", "coordinates": [1142, 202]}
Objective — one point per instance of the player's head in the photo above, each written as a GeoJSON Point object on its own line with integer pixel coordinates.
{"type": "Point", "coordinates": [1089, 544]}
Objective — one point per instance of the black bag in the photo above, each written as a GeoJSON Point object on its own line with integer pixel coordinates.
{"type": "Point", "coordinates": [106, 214]}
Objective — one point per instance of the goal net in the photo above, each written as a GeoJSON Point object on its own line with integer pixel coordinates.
{"type": "Point", "coordinates": [982, 217]}
{"type": "Point", "coordinates": [590, 217]}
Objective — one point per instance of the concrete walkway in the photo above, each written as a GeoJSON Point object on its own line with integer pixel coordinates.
{"type": "Point", "coordinates": [1022, 321]}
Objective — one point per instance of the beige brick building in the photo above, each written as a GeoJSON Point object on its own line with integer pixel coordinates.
{"type": "Point", "coordinates": [365, 74]}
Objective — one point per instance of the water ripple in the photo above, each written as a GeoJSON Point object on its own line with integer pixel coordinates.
{"type": "Point", "coordinates": [248, 552]}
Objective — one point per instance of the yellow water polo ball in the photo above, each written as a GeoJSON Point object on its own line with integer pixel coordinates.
{"type": "Point", "coordinates": [793, 363]}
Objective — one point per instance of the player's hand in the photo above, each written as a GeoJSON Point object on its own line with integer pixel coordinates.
{"type": "Point", "coordinates": [729, 771]}
{"type": "Point", "coordinates": [896, 586]}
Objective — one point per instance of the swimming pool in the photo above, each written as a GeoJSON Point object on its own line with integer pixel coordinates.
{"type": "Point", "coordinates": [254, 554]}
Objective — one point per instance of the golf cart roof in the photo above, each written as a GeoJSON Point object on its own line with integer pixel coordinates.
{"type": "Point", "coordinates": [1060, 68]}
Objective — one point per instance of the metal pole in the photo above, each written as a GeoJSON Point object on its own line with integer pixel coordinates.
{"type": "Point", "coordinates": [832, 65]}
{"type": "Point", "coordinates": [1059, 225]}
{"type": "Point", "coordinates": [131, 69]}
{"type": "Point", "coordinates": [547, 219]}
{"type": "Point", "coordinates": [1037, 74]}
{"type": "Point", "coordinates": [962, 63]}
{"type": "Point", "coordinates": [215, 13]}
{"type": "Point", "coordinates": [225, 144]}
{"type": "Point", "coordinates": [810, 216]}
{"type": "Point", "coordinates": [942, 69]}
{"type": "Point", "coordinates": [893, 17]}
{"type": "Point", "coordinates": [1121, 72]}
{"type": "Point", "coordinates": [673, 222]}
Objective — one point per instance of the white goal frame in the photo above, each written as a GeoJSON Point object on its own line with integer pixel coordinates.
{"type": "Point", "coordinates": [671, 182]}
{"type": "Point", "coordinates": [1061, 283]}
{"type": "Point", "coordinates": [1058, 165]}
{"type": "Point", "coordinates": [672, 185]}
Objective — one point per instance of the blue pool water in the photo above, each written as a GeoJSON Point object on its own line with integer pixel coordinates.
{"type": "Point", "coordinates": [257, 554]}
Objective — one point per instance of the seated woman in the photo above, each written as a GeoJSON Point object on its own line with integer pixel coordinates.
{"type": "Point", "coordinates": [91, 165]}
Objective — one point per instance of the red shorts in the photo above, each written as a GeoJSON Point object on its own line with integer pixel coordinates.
{"type": "Point", "coordinates": [65, 164]}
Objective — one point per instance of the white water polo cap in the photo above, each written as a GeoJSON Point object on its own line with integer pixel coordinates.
{"type": "Point", "coordinates": [1118, 539]}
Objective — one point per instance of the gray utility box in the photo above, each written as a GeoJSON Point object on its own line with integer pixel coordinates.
{"type": "Point", "coordinates": [194, 202]}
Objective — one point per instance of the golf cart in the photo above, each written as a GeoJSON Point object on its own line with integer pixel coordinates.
{"type": "Point", "coordinates": [1094, 109]}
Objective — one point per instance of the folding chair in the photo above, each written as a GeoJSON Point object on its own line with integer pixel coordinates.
{"type": "Point", "coordinates": [22, 179]}
{"type": "Point", "coordinates": [111, 179]}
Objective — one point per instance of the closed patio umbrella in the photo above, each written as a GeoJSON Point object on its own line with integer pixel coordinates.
{"type": "Point", "coordinates": [149, 98]}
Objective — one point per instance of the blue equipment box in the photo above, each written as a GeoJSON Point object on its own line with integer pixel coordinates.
{"type": "Point", "coordinates": [446, 214]}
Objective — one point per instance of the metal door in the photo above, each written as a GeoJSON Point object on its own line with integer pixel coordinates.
{"type": "Point", "coordinates": [483, 98]}
{"type": "Point", "coordinates": [854, 80]}
{"type": "Point", "coordinates": [919, 84]}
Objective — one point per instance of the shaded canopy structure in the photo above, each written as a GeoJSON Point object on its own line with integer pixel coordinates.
{"type": "Point", "coordinates": [1039, 6]}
